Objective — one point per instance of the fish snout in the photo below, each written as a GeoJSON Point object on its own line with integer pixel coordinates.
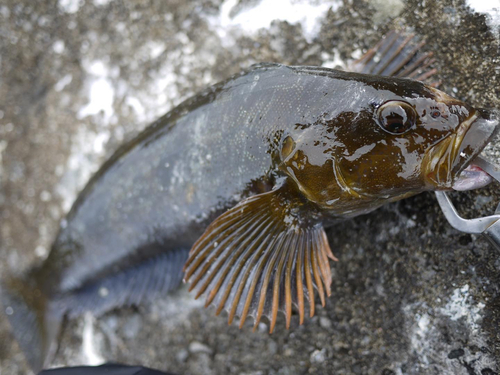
{"type": "Point", "coordinates": [481, 132]}
{"type": "Point", "coordinates": [489, 114]}
{"type": "Point", "coordinates": [484, 128]}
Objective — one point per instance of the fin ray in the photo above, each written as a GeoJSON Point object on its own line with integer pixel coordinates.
{"type": "Point", "coordinates": [242, 282]}
{"type": "Point", "coordinates": [270, 260]}
{"type": "Point", "coordinates": [397, 55]}
{"type": "Point", "coordinates": [241, 257]}
{"type": "Point", "coordinates": [220, 257]}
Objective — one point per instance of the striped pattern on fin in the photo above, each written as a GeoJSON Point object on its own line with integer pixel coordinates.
{"type": "Point", "coordinates": [258, 258]}
{"type": "Point", "coordinates": [398, 55]}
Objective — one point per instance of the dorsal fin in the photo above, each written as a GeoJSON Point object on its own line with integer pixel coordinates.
{"type": "Point", "coordinates": [398, 55]}
{"type": "Point", "coordinates": [261, 257]}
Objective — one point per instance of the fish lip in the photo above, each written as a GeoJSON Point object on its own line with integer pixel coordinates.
{"type": "Point", "coordinates": [446, 161]}
{"type": "Point", "coordinates": [472, 177]}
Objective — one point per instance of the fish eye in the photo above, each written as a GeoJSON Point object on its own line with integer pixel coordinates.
{"type": "Point", "coordinates": [396, 117]}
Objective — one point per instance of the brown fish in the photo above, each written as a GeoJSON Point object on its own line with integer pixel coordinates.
{"type": "Point", "coordinates": [251, 170]}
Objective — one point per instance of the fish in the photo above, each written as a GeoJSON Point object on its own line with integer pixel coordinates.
{"type": "Point", "coordinates": [232, 190]}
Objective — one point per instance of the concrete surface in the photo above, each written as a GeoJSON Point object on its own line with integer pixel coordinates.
{"type": "Point", "coordinates": [410, 294]}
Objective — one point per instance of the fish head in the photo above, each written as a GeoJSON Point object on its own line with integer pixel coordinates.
{"type": "Point", "coordinates": [399, 138]}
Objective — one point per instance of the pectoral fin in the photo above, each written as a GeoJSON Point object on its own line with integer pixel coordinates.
{"type": "Point", "coordinates": [260, 257]}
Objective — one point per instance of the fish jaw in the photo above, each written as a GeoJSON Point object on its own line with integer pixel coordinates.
{"type": "Point", "coordinates": [472, 177]}
{"type": "Point", "coordinates": [449, 165]}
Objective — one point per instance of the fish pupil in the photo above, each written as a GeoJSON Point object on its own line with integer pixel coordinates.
{"type": "Point", "coordinates": [395, 124]}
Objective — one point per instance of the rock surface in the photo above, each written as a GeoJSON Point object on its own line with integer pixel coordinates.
{"type": "Point", "coordinates": [410, 294]}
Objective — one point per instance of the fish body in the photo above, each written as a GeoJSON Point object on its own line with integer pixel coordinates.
{"type": "Point", "coordinates": [159, 192]}
{"type": "Point", "coordinates": [250, 171]}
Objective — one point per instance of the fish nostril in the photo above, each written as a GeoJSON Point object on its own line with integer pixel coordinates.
{"type": "Point", "coordinates": [488, 114]}
{"type": "Point", "coordinates": [484, 113]}
{"type": "Point", "coordinates": [435, 113]}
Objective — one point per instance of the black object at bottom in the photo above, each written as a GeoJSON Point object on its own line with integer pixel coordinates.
{"type": "Point", "coordinates": [108, 369]}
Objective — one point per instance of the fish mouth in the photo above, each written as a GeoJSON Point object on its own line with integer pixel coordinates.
{"type": "Point", "coordinates": [472, 177]}
{"type": "Point", "coordinates": [450, 163]}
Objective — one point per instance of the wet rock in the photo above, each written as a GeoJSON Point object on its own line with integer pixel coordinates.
{"type": "Point", "coordinates": [318, 356]}
{"type": "Point", "coordinates": [198, 347]}
{"type": "Point", "coordinates": [272, 347]}
{"type": "Point", "coordinates": [200, 364]}
{"type": "Point", "coordinates": [132, 326]}
{"type": "Point", "coordinates": [182, 355]}
{"type": "Point", "coordinates": [325, 322]}
{"type": "Point", "coordinates": [457, 353]}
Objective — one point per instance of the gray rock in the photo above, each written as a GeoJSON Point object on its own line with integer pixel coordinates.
{"type": "Point", "coordinates": [325, 322]}
{"type": "Point", "coordinates": [182, 355]}
{"type": "Point", "coordinates": [198, 347]}
{"type": "Point", "coordinates": [318, 356]}
{"type": "Point", "coordinates": [132, 326]}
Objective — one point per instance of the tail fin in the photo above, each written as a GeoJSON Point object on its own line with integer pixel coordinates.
{"type": "Point", "coordinates": [33, 326]}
